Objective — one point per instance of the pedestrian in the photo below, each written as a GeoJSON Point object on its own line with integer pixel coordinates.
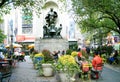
{"type": "Point", "coordinates": [63, 52]}
{"type": "Point", "coordinates": [1, 55]}
{"type": "Point", "coordinates": [79, 54]}
{"type": "Point", "coordinates": [9, 54]}
{"type": "Point", "coordinates": [88, 51]}
{"type": "Point", "coordinates": [15, 58]}
{"type": "Point", "coordinates": [59, 54]}
{"type": "Point", "coordinates": [55, 54]}
{"type": "Point", "coordinates": [113, 57]}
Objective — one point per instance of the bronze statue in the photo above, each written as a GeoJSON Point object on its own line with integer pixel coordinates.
{"type": "Point", "coordinates": [51, 17]}
{"type": "Point", "coordinates": [45, 30]}
{"type": "Point", "coordinates": [49, 30]}
{"type": "Point", "coordinates": [59, 31]}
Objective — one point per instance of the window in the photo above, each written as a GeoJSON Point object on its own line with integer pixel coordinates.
{"type": "Point", "coordinates": [27, 21]}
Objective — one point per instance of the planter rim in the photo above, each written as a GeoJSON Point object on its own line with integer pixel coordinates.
{"type": "Point", "coordinates": [46, 65]}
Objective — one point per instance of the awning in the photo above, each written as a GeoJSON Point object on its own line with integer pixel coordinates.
{"type": "Point", "coordinates": [23, 38]}
{"type": "Point", "coordinates": [31, 46]}
{"type": "Point", "coordinates": [14, 45]}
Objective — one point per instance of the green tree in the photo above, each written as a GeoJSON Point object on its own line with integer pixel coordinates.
{"type": "Point", "coordinates": [27, 5]}
{"type": "Point", "coordinates": [98, 14]}
{"type": "Point", "coordinates": [2, 36]}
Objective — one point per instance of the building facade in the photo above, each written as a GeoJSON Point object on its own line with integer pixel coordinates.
{"type": "Point", "coordinates": [26, 31]}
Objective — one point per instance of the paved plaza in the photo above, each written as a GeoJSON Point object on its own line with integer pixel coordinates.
{"type": "Point", "coordinates": [25, 72]}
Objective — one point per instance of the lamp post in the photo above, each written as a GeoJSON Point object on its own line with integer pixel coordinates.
{"type": "Point", "coordinates": [11, 43]}
{"type": "Point", "coordinates": [94, 40]}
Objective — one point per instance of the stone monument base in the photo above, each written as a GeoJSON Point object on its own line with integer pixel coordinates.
{"type": "Point", "coordinates": [51, 44]}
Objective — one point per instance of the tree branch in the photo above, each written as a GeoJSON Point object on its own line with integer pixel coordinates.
{"type": "Point", "coordinates": [116, 30]}
{"type": "Point", "coordinates": [2, 3]}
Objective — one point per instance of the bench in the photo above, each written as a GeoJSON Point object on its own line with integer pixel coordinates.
{"type": "Point", "coordinates": [5, 75]}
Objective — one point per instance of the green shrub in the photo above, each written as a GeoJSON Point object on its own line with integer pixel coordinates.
{"type": "Point", "coordinates": [47, 56]}
{"type": "Point", "coordinates": [68, 52]}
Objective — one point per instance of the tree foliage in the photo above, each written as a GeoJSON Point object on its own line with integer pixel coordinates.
{"type": "Point", "coordinates": [2, 36]}
{"type": "Point", "coordinates": [98, 14]}
{"type": "Point", "coordinates": [31, 5]}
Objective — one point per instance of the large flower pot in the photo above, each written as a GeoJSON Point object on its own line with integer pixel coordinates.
{"type": "Point", "coordinates": [63, 77]}
{"type": "Point", "coordinates": [47, 69]}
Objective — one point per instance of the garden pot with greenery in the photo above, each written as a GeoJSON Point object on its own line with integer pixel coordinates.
{"type": "Point", "coordinates": [37, 60]}
{"type": "Point", "coordinates": [47, 64]}
{"type": "Point", "coordinates": [66, 67]}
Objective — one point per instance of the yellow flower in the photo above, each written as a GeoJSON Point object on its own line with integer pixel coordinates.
{"type": "Point", "coordinates": [67, 59]}
{"type": "Point", "coordinates": [74, 53]}
{"type": "Point", "coordinates": [39, 55]}
{"type": "Point", "coordinates": [67, 63]}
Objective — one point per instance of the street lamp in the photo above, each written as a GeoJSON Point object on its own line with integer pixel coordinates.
{"type": "Point", "coordinates": [94, 40]}
{"type": "Point", "coordinates": [11, 43]}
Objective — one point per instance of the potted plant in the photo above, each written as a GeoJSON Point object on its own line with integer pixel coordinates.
{"type": "Point", "coordinates": [47, 56]}
{"type": "Point", "coordinates": [47, 64]}
{"type": "Point", "coordinates": [67, 66]}
{"type": "Point", "coordinates": [38, 59]}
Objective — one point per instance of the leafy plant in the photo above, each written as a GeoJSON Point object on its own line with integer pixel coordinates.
{"type": "Point", "coordinates": [67, 63]}
{"type": "Point", "coordinates": [2, 36]}
{"type": "Point", "coordinates": [84, 54]}
{"type": "Point", "coordinates": [38, 59]}
{"type": "Point", "coordinates": [47, 56]}
{"type": "Point", "coordinates": [68, 51]}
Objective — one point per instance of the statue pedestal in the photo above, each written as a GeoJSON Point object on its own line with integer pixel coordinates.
{"type": "Point", "coordinates": [51, 44]}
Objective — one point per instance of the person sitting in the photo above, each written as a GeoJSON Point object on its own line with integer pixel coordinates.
{"type": "Point", "coordinates": [113, 58]}
{"type": "Point", "coordinates": [79, 54]}
{"type": "Point", "coordinates": [85, 67]}
{"type": "Point", "coordinates": [78, 57]}
{"type": "Point", "coordinates": [97, 64]}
